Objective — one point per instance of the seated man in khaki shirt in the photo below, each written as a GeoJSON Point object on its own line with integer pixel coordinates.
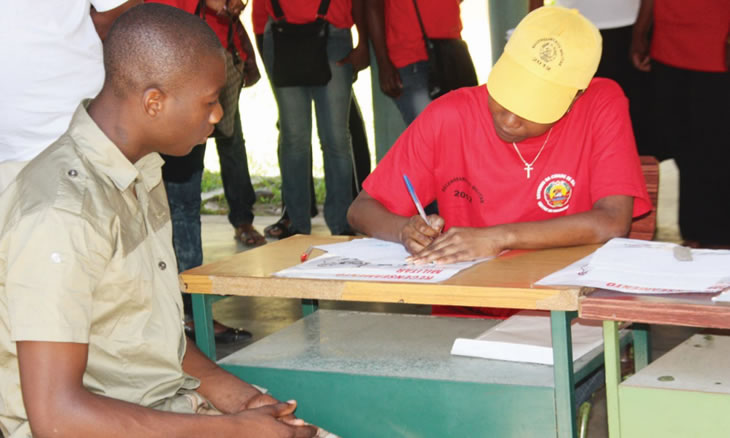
{"type": "Point", "coordinates": [91, 333]}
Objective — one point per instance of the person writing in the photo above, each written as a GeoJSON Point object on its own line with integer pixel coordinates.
{"type": "Point", "coordinates": [91, 333]}
{"type": "Point", "coordinates": [541, 156]}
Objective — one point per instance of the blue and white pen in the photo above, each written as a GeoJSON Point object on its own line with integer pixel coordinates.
{"type": "Point", "coordinates": [419, 207]}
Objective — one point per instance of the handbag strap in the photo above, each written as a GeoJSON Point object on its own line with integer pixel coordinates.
{"type": "Point", "coordinates": [426, 39]}
{"type": "Point", "coordinates": [324, 5]}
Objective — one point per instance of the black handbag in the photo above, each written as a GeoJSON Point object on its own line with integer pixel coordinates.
{"type": "Point", "coordinates": [300, 50]}
{"type": "Point", "coordinates": [449, 63]}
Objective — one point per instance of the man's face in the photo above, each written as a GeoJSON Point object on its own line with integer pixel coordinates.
{"type": "Point", "coordinates": [192, 110]}
{"type": "Point", "coordinates": [512, 128]}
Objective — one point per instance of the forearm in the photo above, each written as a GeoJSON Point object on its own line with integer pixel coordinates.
{"type": "Point", "coordinates": [644, 19]}
{"type": "Point", "coordinates": [227, 392]}
{"type": "Point", "coordinates": [83, 414]}
{"type": "Point", "coordinates": [369, 216]}
{"type": "Point", "coordinates": [594, 226]}
{"type": "Point", "coordinates": [360, 18]}
{"type": "Point", "coordinates": [375, 14]}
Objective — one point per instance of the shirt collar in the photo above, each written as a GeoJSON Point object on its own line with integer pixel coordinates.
{"type": "Point", "coordinates": [106, 156]}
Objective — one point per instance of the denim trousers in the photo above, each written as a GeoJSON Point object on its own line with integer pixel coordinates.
{"type": "Point", "coordinates": [414, 96]}
{"type": "Point", "coordinates": [183, 195]}
{"type": "Point", "coordinates": [237, 186]}
{"type": "Point", "coordinates": [332, 107]}
{"type": "Point", "coordinates": [184, 200]}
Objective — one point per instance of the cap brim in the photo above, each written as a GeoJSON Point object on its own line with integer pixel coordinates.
{"type": "Point", "coordinates": [526, 94]}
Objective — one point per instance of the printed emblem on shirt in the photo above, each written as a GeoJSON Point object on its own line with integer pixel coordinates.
{"type": "Point", "coordinates": [554, 192]}
{"type": "Point", "coordinates": [461, 188]}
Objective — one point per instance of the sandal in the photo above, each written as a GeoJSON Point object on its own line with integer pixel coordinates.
{"type": "Point", "coordinates": [248, 235]}
{"type": "Point", "coordinates": [231, 335]}
{"type": "Point", "coordinates": [279, 229]}
{"type": "Point", "coordinates": [227, 336]}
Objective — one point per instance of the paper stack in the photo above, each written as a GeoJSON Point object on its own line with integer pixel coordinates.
{"type": "Point", "coordinates": [525, 337]}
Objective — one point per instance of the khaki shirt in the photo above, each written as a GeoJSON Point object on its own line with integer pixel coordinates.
{"type": "Point", "coordinates": [82, 259]}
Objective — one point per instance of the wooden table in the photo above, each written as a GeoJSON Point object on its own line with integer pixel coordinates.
{"type": "Point", "coordinates": [506, 282]}
{"type": "Point", "coordinates": [666, 405]}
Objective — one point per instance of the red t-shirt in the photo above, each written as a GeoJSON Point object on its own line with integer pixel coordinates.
{"type": "Point", "coordinates": [259, 16]}
{"type": "Point", "coordinates": [217, 23]}
{"type": "Point", "coordinates": [691, 34]}
{"type": "Point", "coordinates": [451, 153]}
{"type": "Point", "coordinates": [403, 36]}
{"type": "Point", "coordinates": [339, 13]}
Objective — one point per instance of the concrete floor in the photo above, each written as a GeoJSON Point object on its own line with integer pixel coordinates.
{"type": "Point", "coordinates": [265, 316]}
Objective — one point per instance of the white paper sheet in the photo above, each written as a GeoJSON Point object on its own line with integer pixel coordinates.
{"type": "Point", "coordinates": [525, 337]}
{"type": "Point", "coordinates": [369, 250]}
{"type": "Point", "coordinates": [639, 266]}
{"type": "Point", "coordinates": [373, 260]}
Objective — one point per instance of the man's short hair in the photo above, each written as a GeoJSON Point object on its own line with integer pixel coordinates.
{"type": "Point", "coordinates": [156, 45]}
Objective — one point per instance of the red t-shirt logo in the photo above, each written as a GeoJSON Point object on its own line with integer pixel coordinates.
{"type": "Point", "coordinates": [554, 192]}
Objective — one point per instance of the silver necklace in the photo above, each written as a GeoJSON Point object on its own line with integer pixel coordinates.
{"type": "Point", "coordinates": [528, 166]}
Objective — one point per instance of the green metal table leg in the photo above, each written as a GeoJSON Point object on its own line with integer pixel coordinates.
{"type": "Point", "coordinates": [203, 318]}
{"type": "Point", "coordinates": [642, 346]}
{"type": "Point", "coordinates": [563, 371]}
{"type": "Point", "coordinates": [309, 307]}
{"type": "Point", "coordinates": [612, 362]}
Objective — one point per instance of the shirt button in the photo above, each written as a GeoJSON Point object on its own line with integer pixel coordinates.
{"type": "Point", "coordinates": [73, 173]}
{"type": "Point", "coordinates": [162, 266]}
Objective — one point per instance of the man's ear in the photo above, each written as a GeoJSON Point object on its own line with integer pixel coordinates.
{"type": "Point", "coordinates": [153, 101]}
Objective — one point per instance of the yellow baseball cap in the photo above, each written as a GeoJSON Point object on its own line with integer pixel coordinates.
{"type": "Point", "coordinates": [552, 54]}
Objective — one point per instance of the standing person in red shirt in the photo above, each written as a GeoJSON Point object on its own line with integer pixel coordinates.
{"type": "Point", "coordinates": [356, 125]}
{"type": "Point", "coordinates": [542, 156]}
{"type": "Point", "coordinates": [331, 102]}
{"type": "Point", "coordinates": [689, 59]}
{"type": "Point", "coordinates": [401, 51]}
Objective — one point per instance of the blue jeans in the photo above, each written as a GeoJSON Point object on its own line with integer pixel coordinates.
{"type": "Point", "coordinates": [332, 105]}
{"type": "Point", "coordinates": [184, 200]}
{"type": "Point", "coordinates": [414, 97]}
{"type": "Point", "coordinates": [237, 186]}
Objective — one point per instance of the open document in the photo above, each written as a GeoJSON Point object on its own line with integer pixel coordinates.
{"type": "Point", "coordinates": [370, 259]}
{"type": "Point", "coordinates": [644, 267]}
{"type": "Point", "coordinates": [525, 337]}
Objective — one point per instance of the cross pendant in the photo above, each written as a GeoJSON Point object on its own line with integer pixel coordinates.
{"type": "Point", "coordinates": [528, 168]}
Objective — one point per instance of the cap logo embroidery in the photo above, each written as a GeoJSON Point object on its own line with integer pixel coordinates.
{"type": "Point", "coordinates": [548, 51]}
{"type": "Point", "coordinates": [554, 192]}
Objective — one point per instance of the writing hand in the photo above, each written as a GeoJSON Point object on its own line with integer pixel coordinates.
{"type": "Point", "coordinates": [461, 244]}
{"type": "Point", "coordinates": [416, 234]}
